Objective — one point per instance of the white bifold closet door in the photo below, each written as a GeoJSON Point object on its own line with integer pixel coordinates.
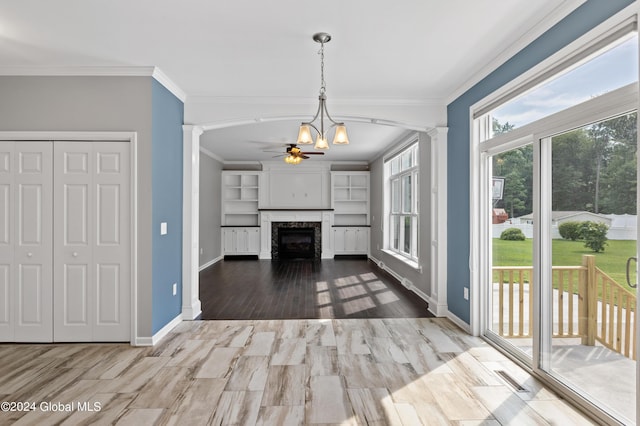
{"type": "Point", "coordinates": [64, 241]}
{"type": "Point", "coordinates": [91, 242]}
{"type": "Point", "coordinates": [26, 274]}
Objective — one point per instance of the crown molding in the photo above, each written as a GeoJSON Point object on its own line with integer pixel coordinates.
{"type": "Point", "coordinates": [108, 71]}
{"type": "Point", "coordinates": [172, 87]}
{"type": "Point", "coordinates": [543, 25]}
{"type": "Point", "coordinates": [298, 100]}
{"type": "Point", "coordinates": [211, 154]}
{"type": "Point", "coordinates": [77, 71]}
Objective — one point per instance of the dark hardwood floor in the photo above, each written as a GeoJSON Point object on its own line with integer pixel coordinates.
{"type": "Point", "coordinates": [299, 289]}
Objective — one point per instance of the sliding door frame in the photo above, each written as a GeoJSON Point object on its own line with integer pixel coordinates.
{"type": "Point", "coordinates": [614, 103]}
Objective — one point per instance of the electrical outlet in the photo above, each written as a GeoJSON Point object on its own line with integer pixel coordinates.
{"type": "Point", "coordinates": [175, 288]}
{"type": "Point", "coordinates": [466, 293]}
{"type": "Point", "coordinates": [201, 250]}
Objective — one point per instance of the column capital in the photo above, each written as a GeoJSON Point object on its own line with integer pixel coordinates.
{"type": "Point", "coordinates": [192, 129]}
{"type": "Point", "coordinates": [437, 132]}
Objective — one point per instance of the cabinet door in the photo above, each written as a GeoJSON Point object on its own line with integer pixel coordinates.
{"type": "Point", "coordinates": [350, 239]}
{"type": "Point", "coordinates": [253, 242]}
{"type": "Point", "coordinates": [339, 240]}
{"type": "Point", "coordinates": [228, 241]}
{"type": "Point", "coordinates": [242, 241]}
{"type": "Point", "coordinates": [362, 241]}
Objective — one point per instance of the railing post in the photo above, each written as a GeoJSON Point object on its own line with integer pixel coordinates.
{"type": "Point", "coordinates": [588, 301]}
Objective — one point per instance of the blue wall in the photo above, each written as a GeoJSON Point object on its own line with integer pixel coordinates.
{"type": "Point", "coordinates": [167, 119]}
{"type": "Point", "coordinates": [583, 19]}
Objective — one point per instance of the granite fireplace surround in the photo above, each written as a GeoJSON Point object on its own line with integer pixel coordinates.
{"type": "Point", "coordinates": [317, 226]}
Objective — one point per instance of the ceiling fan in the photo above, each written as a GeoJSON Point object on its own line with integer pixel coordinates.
{"type": "Point", "coordinates": [294, 155]}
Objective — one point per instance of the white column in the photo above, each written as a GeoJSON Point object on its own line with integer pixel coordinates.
{"type": "Point", "coordinates": [325, 229]}
{"type": "Point", "coordinates": [439, 220]}
{"type": "Point", "coordinates": [191, 307]}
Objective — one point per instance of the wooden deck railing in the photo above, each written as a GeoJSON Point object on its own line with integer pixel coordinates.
{"type": "Point", "coordinates": [587, 304]}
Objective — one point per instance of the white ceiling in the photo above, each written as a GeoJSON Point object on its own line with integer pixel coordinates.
{"type": "Point", "coordinates": [383, 54]}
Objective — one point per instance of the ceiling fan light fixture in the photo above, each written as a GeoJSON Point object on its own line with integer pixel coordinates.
{"type": "Point", "coordinates": [341, 137]}
{"type": "Point", "coordinates": [304, 135]}
{"type": "Point", "coordinates": [290, 159]}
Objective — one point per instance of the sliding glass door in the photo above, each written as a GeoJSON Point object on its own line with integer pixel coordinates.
{"type": "Point", "coordinates": [588, 191]}
{"type": "Point", "coordinates": [511, 242]}
{"type": "Point", "coordinates": [555, 223]}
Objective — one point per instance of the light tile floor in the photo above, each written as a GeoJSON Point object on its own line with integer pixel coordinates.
{"type": "Point", "coordinates": [281, 372]}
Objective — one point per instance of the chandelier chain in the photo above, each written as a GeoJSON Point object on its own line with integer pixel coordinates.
{"type": "Point", "coordinates": [323, 88]}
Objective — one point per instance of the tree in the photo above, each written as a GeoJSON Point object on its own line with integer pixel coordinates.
{"type": "Point", "coordinates": [499, 128]}
{"type": "Point", "coordinates": [571, 168]}
{"type": "Point", "coordinates": [619, 176]}
{"type": "Point", "coordinates": [594, 235]}
{"type": "Point", "coordinates": [517, 168]}
{"type": "Point", "coordinates": [601, 135]}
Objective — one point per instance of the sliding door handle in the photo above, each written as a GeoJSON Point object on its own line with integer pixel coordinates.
{"type": "Point", "coordinates": [635, 259]}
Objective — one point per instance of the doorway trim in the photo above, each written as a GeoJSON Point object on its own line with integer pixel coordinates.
{"type": "Point", "coordinates": [132, 138]}
{"type": "Point", "coordinates": [191, 305]}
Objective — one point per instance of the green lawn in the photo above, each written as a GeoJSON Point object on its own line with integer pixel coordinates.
{"type": "Point", "coordinates": [612, 261]}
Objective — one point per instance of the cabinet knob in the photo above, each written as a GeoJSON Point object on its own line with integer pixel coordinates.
{"type": "Point", "coordinates": [29, 254]}
{"type": "Point", "coordinates": [75, 254]}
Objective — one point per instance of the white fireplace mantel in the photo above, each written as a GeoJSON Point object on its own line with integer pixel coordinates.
{"type": "Point", "coordinates": [270, 216]}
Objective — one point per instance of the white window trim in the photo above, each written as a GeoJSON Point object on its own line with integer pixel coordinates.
{"type": "Point", "coordinates": [412, 261]}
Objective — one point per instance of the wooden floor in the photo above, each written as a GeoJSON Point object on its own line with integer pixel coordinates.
{"type": "Point", "coordinates": [304, 289]}
{"type": "Point", "coordinates": [412, 371]}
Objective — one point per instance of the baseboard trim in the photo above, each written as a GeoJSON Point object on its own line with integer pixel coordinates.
{"type": "Point", "coordinates": [152, 341]}
{"type": "Point", "coordinates": [434, 308]}
{"type": "Point", "coordinates": [211, 262]}
{"type": "Point", "coordinates": [460, 323]}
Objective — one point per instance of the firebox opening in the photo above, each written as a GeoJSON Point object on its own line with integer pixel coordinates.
{"type": "Point", "coordinates": [296, 243]}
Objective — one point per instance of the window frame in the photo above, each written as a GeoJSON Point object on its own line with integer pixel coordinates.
{"type": "Point", "coordinates": [396, 178]}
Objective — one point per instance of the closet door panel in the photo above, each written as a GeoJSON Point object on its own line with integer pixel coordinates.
{"type": "Point", "coordinates": [112, 250]}
{"type": "Point", "coordinates": [92, 254]}
{"type": "Point", "coordinates": [72, 241]}
{"type": "Point", "coordinates": [7, 291]}
{"type": "Point", "coordinates": [31, 271]}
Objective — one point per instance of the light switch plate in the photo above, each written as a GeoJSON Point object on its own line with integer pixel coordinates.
{"type": "Point", "coordinates": [175, 288]}
{"type": "Point", "coordinates": [163, 228]}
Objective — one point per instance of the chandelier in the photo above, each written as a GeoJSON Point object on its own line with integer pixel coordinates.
{"type": "Point", "coordinates": [304, 134]}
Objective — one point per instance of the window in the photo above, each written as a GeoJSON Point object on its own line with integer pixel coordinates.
{"type": "Point", "coordinates": [402, 178]}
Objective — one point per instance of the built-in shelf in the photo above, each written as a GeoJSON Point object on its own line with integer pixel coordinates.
{"type": "Point", "coordinates": [350, 198]}
{"type": "Point", "coordinates": [240, 194]}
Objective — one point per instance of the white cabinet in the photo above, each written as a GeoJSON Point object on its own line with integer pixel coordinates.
{"type": "Point", "coordinates": [241, 241]}
{"type": "Point", "coordinates": [240, 193]}
{"type": "Point", "coordinates": [351, 240]}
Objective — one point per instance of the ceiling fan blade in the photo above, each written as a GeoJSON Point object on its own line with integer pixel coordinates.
{"type": "Point", "coordinates": [304, 156]}
{"type": "Point", "coordinates": [312, 153]}
{"type": "Point", "coordinates": [281, 155]}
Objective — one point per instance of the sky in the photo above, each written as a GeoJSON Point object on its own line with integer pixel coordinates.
{"type": "Point", "coordinates": [612, 69]}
